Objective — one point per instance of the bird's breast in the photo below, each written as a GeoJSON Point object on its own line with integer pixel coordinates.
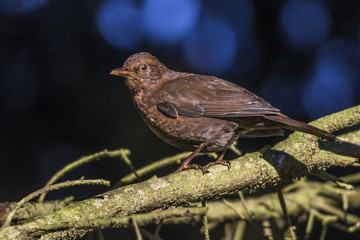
{"type": "Point", "coordinates": [187, 133]}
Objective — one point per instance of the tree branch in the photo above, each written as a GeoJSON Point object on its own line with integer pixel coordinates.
{"type": "Point", "coordinates": [297, 156]}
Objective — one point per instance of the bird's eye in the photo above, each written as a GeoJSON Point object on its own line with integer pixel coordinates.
{"type": "Point", "coordinates": [143, 67]}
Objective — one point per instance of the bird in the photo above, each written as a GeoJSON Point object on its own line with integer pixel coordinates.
{"type": "Point", "coordinates": [201, 113]}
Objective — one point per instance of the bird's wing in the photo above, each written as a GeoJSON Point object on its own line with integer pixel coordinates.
{"type": "Point", "coordinates": [197, 95]}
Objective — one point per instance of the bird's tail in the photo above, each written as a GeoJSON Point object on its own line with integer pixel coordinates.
{"type": "Point", "coordinates": [295, 125]}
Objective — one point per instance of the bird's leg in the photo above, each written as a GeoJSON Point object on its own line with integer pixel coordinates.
{"type": "Point", "coordinates": [185, 164]}
{"type": "Point", "coordinates": [220, 160]}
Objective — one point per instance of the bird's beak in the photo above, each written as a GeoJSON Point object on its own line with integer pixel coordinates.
{"type": "Point", "coordinates": [120, 72]}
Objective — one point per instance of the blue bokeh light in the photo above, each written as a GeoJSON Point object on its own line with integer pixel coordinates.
{"type": "Point", "coordinates": [119, 23]}
{"type": "Point", "coordinates": [167, 21]}
{"type": "Point", "coordinates": [305, 23]}
{"type": "Point", "coordinates": [249, 55]}
{"type": "Point", "coordinates": [211, 47]}
{"type": "Point", "coordinates": [283, 92]}
{"type": "Point", "coordinates": [240, 15]}
{"type": "Point", "coordinates": [331, 87]}
{"type": "Point", "coordinates": [14, 7]}
{"type": "Point", "coordinates": [339, 49]}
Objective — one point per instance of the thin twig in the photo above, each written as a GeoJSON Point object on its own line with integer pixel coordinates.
{"type": "Point", "coordinates": [227, 203]}
{"type": "Point", "coordinates": [352, 178]}
{"type": "Point", "coordinates": [329, 177]}
{"type": "Point", "coordinates": [323, 232]}
{"type": "Point", "coordinates": [268, 234]}
{"type": "Point", "coordinates": [205, 223]}
{"type": "Point", "coordinates": [81, 161]}
{"type": "Point", "coordinates": [286, 216]}
{"type": "Point", "coordinates": [137, 230]}
{"type": "Point", "coordinates": [125, 156]}
{"type": "Point", "coordinates": [52, 188]}
{"type": "Point", "coordinates": [240, 230]}
{"type": "Point", "coordinates": [242, 200]}
{"type": "Point", "coordinates": [176, 159]}
{"type": "Point", "coordinates": [152, 167]}
{"type": "Point", "coordinates": [234, 148]}
{"type": "Point", "coordinates": [157, 230]}
{"type": "Point", "coordinates": [310, 224]}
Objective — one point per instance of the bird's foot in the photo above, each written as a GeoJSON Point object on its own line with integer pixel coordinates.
{"type": "Point", "coordinates": [186, 163]}
{"type": "Point", "coordinates": [220, 161]}
{"type": "Point", "coordinates": [189, 166]}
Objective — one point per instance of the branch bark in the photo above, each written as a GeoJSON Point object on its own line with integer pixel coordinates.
{"type": "Point", "coordinates": [297, 156]}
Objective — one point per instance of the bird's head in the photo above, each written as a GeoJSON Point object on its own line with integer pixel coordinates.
{"type": "Point", "coordinates": [141, 71]}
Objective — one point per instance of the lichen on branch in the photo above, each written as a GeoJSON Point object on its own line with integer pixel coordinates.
{"type": "Point", "coordinates": [297, 156]}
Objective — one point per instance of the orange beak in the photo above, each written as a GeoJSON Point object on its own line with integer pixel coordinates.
{"type": "Point", "coordinates": [120, 72]}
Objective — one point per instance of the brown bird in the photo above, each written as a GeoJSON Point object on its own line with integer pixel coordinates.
{"type": "Point", "coordinates": [201, 113]}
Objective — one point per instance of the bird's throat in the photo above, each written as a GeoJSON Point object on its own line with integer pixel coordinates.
{"type": "Point", "coordinates": [134, 86]}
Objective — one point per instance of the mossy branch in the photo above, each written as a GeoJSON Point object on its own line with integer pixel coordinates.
{"type": "Point", "coordinates": [299, 155]}
{"type": "Point", "coordinates": [303, 197]}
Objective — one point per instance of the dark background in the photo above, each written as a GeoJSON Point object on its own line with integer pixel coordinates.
{"type": "Point", "coordinates": [58, 102]}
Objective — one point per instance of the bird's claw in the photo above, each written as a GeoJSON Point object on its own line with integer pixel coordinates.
{"type": "Point", "coordinates": [190, 166]}
{"type": "Point", "coordinates": [222, 162]}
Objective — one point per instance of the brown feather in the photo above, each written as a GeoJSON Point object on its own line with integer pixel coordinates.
{"type": "Point", "coordinates": [197, 95]}
{"type": "Point", "coordinates": [295, 125]}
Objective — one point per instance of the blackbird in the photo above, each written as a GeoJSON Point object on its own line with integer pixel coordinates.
{"type": "Point", "coordinates": [201, 113]}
